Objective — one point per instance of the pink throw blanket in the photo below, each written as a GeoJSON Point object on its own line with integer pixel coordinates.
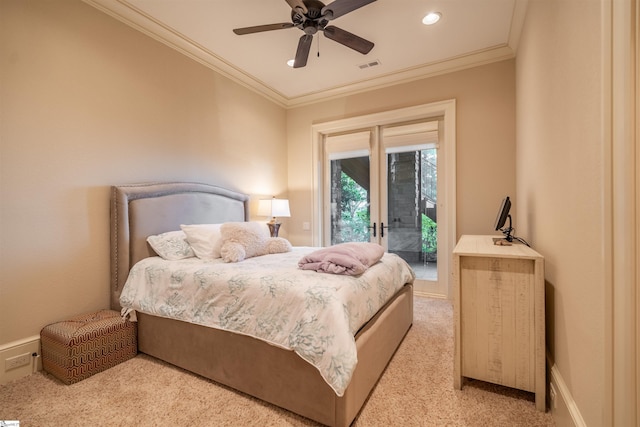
{"type": "Point", "coordinates": [345, 258]}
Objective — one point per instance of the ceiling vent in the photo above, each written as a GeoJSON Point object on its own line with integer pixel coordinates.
{"type": "Point", "coordinates": [370, 64]}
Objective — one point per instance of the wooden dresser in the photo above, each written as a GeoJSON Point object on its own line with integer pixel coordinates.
{"type": "Point", "coordinates": [499, 315]}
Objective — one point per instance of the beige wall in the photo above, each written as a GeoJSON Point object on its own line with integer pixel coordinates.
{"type": "Point", "coordinates": [87, 102]}
{"type": "Point", "coordinates": [561, 185]}
{"type": "Point", "coordinates": [485, 130]}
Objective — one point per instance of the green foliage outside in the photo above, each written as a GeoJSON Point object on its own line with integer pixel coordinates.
{"type": "Point", "coordinates": [354, 213]}
{"type": "Point", "coordinates": [355, 217]}
{"type": "Point", "coordinates": [429, 235]}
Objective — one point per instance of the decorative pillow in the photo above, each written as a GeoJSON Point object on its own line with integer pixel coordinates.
{"type": "Point", "coordinates": [171, 245]}
{"type": "Point", "coordinates": [242, 240]}
{"type": "Point", "coordinates": [277, 245]}
{"type": "Point", "coordinates": [205, 239]}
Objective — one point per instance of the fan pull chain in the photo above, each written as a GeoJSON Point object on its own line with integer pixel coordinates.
{"type": "Point", "coordinates": [318, 45]}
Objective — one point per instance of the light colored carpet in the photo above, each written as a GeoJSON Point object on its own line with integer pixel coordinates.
{"type": "Point", "coordinates": [415, 390]}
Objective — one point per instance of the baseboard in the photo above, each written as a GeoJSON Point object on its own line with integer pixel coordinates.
{"type": "Point", "coordinates": [428, 294]}
{"type": "Point", "coordinates": [30, 348]}
{"type": "Point", "coordinates": [563, 408]}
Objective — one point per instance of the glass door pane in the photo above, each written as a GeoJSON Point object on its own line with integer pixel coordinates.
{"type": "Point", "coordinates": [350, 198]}
{"type": "Point", "coordinates": [411, 228]}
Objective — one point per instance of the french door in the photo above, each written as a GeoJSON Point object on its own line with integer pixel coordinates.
{"type": "Point", "coordinates": [381, 186]}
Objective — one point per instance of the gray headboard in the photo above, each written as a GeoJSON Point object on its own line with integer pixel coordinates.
{"type": "Point", "coordinates": [142, 210]}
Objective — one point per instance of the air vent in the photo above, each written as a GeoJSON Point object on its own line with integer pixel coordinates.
{"type": "Point", "coordinates": [370, 64]}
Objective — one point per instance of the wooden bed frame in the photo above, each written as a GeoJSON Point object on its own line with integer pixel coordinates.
{"type": "Point", "coordinates": [244, 363]}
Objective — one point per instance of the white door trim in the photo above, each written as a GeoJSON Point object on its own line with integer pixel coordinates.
{"type": "Point", "coordinates": [446, 204]}
{"type": "Point", "coordinates": [622, 202]}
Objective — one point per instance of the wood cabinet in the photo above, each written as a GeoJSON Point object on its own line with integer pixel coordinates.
{"type": "Point", "coordinates": [499, 315]}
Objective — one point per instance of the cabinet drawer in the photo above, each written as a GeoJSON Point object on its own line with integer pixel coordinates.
{"type": "Point", "coordinates": [497, 297]}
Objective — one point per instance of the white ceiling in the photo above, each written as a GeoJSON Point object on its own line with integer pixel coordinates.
{"type": "Point", "coordinates": [471, 32]}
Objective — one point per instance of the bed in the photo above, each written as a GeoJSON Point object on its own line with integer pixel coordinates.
{"type": "Point", "coordinates": [271, 373]}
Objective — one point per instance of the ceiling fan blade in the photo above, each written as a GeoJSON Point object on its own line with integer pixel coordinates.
{"type": "Point", "coordinates": [298, 6]}
{"type": "Point", "coordinates": [337, 8]}
{"type": "Point", "coordinates": [302, 54]}
{"type": "Point", "coordinates": [348, 39]}
{"type": "Point", "coordinates": [261, 28]}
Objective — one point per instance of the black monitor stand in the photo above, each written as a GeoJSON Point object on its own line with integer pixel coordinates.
{"type": "Point", "coordinates": [507, 231]}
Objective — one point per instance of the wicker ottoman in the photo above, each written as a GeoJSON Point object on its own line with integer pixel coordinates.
{"type": "Point", "coordinates": [75, 349]}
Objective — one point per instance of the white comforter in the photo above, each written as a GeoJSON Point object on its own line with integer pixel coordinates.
{"type": "Point", "coordinates": [270, 298]}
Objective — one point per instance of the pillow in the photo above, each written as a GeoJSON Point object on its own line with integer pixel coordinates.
{"type": "Point", "coordinates": [277, 245]}
{"type": "Point", "coordinates": [242, 240]}
{"type": "Point", "coordinates": [171, 245]}
{"type": "Point", "coordinates": [205, 239]}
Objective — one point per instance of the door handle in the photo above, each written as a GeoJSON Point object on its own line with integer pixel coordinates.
{"type": "Point", "coordinates": [382, 227]}
{"type": "Point", "coordinates": [374, 229]}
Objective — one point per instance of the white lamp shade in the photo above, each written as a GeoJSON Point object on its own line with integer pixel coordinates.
{"type": "Point", "coordinates": [274, 207]}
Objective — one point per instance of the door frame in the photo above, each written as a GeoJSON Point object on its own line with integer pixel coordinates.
{"type": "Point", "coordinates": [352, 150]}
{"type": "Point", "coordinates": [621, 92]}
{"type": "Point", "coordinates": [446, 204]}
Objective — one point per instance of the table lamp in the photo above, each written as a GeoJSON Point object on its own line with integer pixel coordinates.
{"type": "Point", "coordinates": [274, 208]}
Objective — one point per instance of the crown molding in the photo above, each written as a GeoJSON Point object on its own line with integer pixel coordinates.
{"type": "Point", "coordinates": [499, 53]}
{"type": "Point", "coordinates": [137, 19]}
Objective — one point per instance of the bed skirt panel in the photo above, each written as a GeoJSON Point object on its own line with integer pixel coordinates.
{"type": "Point", "coordinates": [377, 342]}
{"type": "Point", "coordinates": [255, 367]}
{"type": "Point", "coordinates": [240, 362]}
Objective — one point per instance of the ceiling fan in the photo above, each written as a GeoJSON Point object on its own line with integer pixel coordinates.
{"type": "Point", "coordinates": [312, 16]}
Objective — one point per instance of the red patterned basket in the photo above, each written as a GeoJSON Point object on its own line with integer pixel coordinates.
{"type": "Point", "coordinates": [75, 349]}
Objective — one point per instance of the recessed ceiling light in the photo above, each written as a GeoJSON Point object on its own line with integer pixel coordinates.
{"type": "Point", "coordinates": [291, 62]}
{"type": "Point", "coordinates": [431, 18]}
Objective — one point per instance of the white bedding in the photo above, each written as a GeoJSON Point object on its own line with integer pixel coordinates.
{"type": "Point", "coordinates": [270, 298]}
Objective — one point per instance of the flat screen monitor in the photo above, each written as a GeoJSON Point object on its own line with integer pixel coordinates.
{"type": "Point", "coordinates": [501, 219]}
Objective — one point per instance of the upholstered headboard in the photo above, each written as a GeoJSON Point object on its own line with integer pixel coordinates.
{"type": "Point", "coordinates": [141, 210]}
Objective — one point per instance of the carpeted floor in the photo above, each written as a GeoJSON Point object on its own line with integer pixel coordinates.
{"type": "Point", "coordinates": [415, 390]}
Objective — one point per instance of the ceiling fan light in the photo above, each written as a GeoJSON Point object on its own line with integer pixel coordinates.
{"type": "Point", "coordinates": [431, 18]}
{"type": "Point", "coordinates": [291, 62]}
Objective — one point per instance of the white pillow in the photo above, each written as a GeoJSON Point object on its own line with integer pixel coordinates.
{"type": "Point", "coordinates": [171, 245]}
{"type": "Point", "coordinates": [205, 239]}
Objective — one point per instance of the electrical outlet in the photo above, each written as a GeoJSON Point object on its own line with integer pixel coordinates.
{"type": "Point", "coordinates": [17, 361]}
{"type": "Point", "coordinates": [552, 396]}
